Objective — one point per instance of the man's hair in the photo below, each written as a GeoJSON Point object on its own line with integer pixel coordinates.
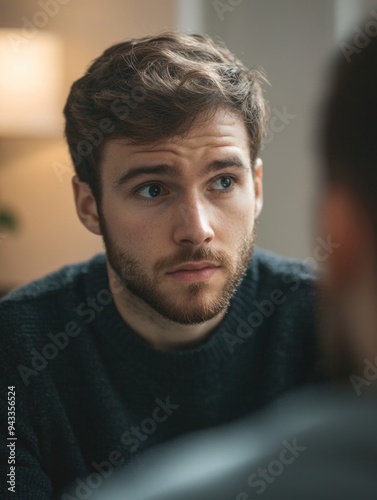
{"type": "Point", "coordinates": [348, 133]}
{"type": "Point", "coordinates": [150, 89]}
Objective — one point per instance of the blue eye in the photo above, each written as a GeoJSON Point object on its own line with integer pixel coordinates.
{"type": "Point", "coordinates": [224, 183]}
{"type": "Point", "coordinates": [150, 191]}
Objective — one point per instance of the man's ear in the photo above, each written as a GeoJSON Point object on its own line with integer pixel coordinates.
{"type": "Point", "coordinates": [258, 186]}
{"type": "Point", "coordinates": [86, 206]}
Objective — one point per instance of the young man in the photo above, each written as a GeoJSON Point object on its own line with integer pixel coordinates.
{"type": "Point", "coordinates": [181, 325]}
{"type": "Point", "coordinates": [318, 444]}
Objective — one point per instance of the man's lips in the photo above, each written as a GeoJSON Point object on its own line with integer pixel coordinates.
{"type": "Point", "coordinates": [194, 272]}
{"type": "Point", "coordinates": [194, 266]}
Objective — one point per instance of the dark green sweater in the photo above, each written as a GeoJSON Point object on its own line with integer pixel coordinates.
{"type": "Point", "coordinates": [91, 394]}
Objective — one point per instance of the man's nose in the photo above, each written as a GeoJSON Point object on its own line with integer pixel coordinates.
{"type": "Point", "coordinates": [192, 223]}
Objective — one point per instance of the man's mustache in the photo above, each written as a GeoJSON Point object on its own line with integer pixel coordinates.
{"type": "Point", "coordinates": [187, 255]}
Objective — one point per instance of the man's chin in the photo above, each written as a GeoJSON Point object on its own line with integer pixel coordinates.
{"type": "Point", "coordinates": [188, 318]}
{"type": "Point", "coordinates": [195, 310]}
{"type": "Point", "coordinates": [194, 303]}
{"type": "Point", "coordinates": [191, 304]}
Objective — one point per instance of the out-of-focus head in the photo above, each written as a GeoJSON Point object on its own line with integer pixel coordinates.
{"type": "Point", "coordinates": [349, 158]}
{"type": "Point", "coordinates": [151, 89]}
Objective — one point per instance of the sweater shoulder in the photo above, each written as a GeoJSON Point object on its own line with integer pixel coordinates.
{"type": "Point", "coordinates": [49, 304]}
{"type": "Point", "coordinates": [65, 280]}
{"type": "Point", "coordinates": [271, 267]}
{"type": "Point", "coordinates": [270, 273]}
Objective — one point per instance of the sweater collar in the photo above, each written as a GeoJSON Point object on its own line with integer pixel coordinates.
{"type": "Point", "coordinates": [113, 330]}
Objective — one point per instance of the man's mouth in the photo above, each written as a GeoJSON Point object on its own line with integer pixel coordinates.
{"type": "Point", "coordinates": [194, 266]}
{"type": "Point", "coordinates": [194, 272]}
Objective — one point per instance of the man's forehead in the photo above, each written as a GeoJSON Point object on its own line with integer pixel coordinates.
{"type": "Point", "coordinates": [222, 131]}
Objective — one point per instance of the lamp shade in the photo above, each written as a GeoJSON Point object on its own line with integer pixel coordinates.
{"type": "Point", "coordinates": [30, 84]}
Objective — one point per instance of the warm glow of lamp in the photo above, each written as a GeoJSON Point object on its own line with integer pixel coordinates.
{"type": "Point", "coordinates": [30, 84]}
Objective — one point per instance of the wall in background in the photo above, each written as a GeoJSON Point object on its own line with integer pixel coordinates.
{"type": "Point", "coordinates": [290, 39]}
{"type": "Point", "coordinates": [35, 174]}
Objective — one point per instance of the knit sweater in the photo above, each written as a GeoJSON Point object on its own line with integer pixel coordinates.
{"type": "Point", "coordinates": [91, 394]}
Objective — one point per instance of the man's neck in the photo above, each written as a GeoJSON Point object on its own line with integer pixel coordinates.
{"type": "Point", "coordinates": [156, 330]}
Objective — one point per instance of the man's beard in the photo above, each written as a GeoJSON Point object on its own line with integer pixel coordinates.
{"type": "Point", "coordinates": [193, 307]}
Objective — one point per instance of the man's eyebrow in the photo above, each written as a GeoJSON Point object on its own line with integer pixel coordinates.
{"type": "Point", "coordinates": [163, 169]}
{"type": "Point", "coordinates": [138, 171]}
{"type": "Point", "coordinates": [229, 161]}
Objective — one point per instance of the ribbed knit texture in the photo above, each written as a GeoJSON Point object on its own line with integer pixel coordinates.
{"type": "Point", "coordinates": [96, 398]}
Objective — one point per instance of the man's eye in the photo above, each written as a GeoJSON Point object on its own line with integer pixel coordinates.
{"type": "Point", "coordinates": [223, 183]}
{"type": "Point", "coordinates": [150, 191]}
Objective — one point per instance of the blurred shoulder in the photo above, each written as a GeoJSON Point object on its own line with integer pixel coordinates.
{"type": "Point", "coordinates": [52, 288]}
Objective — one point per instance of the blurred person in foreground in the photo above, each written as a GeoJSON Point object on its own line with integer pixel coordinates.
{"type": "Point", "coordinates": [319, 443]}
{"type": "Point", "coordinates": [180, 325]}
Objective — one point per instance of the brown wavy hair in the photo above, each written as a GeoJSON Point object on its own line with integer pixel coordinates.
{"type": "Point", "coordinates": [153, 88]}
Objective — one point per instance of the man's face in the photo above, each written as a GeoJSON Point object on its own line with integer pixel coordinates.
{"type": "Point", "coordinates": [190, 201]}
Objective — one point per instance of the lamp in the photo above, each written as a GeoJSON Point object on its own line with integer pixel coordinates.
{"type": "Point", "coordinates": [30, 84]}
